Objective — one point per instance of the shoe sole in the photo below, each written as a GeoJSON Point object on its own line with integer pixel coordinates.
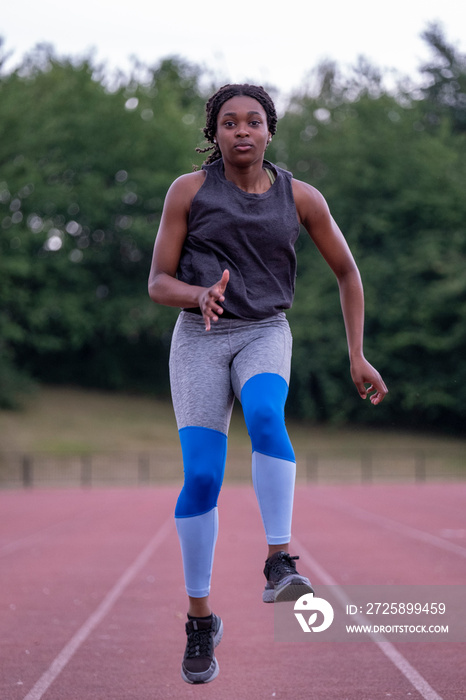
{"type": "Point", "coordinates": [290, 589]}
{"type": "Point", "coordinates": [202, 678]}
{"type": "Point", "coordinates": [213, 671]}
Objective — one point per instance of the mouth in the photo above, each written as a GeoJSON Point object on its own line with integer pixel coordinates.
{"type": "Point", "coordinates": [243, 146]}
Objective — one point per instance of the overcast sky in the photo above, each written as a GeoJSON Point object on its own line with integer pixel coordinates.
{"type": "Point", "coordinates": [276, 43]}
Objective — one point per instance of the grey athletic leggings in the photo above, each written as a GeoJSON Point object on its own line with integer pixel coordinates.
{"type": "Point", "coordinates": [208, 369]}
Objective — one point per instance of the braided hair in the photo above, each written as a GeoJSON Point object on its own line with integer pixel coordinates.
{"type": "Point", "coordinates": [214, 104]}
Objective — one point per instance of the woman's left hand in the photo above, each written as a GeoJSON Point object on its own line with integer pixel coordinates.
{"type": "Point", "coordinates": [362, 373]}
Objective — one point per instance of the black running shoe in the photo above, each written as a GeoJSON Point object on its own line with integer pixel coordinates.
{"type": "Point", "coordinates": [199, 663]}
{"type": "Point", "coordinates": [283, 581]}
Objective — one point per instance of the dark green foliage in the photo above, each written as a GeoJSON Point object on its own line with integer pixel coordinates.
{"type": "Point", "coordinates": [445, 92]}
{"type": "Point", "coordinates": [395, 185]}
{"type": "Point", "coordinates": [83, 174]}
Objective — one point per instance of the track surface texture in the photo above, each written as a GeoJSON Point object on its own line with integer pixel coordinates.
{"type": "Point", "coordinates": [93, 604]}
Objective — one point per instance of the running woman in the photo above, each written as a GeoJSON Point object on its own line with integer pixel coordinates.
{"type": "Point", "coordinates": [224, 253]}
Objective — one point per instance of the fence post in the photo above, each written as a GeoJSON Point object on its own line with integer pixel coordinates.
{"type": "Point", "coordinates": [312, 467]}
{"type": "Point", "coordinates": [420, 466]}
{"type": "Point", "coordinates": [143, 469]}
{"type": "Point", "coordinates": [86, 471]}
{"type": "Point", "coordinates": [27, 469]}
{"type": "Point", "coordinates": [366, 466]}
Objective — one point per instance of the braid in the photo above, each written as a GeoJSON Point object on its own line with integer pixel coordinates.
{"type": "Point", "coordinates": [214, 104]}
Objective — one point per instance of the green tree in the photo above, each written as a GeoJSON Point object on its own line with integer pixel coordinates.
{"type": "Point", "coordinates": [85, 166]}
{"type": "Point", "coordinates": [84, 174]}
{"type": "Point", "coordinates": [445, 93]}
{"type": "Point", "coordinates": [396, 190]}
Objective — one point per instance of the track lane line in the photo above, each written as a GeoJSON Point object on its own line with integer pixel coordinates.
{"type": "Point", "coordinates": [387, 648]}
{"type": "Point", "coordinates": [400, 528]}
{"type": "Point", "coordinates": [34, 538]}
{"type": "Point", "coordinates": [38, 536]}
{"type": "Point", "coordinates": [69, 650]}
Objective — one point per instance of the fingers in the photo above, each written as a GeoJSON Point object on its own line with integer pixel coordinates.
{"type": "Point", "coordinates": [376, 392]}
{"type": "Point", "coordinates": [222, 285]}
{"type": "Point", "coordinates": [368, 382]}
{"type": "Point", "coordinates": [210, 300]}
{"type": "Point", "coordinates": [361, 390]}
{"type": "Point", "coordinates": [216, 292]}
{"type": "Point", "coordinates": [211, 313]}
{"type": "Point", "coordinates": [375, 395]}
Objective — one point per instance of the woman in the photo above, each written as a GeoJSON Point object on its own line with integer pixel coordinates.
{"type": "Point", "coordinates": [224, 253]}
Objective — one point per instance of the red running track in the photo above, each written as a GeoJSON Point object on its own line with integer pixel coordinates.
{"type": "Point", "coordinates": [93, 604]}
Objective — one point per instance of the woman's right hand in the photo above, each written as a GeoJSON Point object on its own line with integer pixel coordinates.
{"type": "Point", "coordinates": [209, 300]}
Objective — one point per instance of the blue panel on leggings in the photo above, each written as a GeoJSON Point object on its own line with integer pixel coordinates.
{"type": "Point", "coordinates": [204, 454]}
{"type": "Point", "coordinates": [263, 399]}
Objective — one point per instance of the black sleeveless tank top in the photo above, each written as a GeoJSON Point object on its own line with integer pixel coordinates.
{"type": "Point", "coordinates": [251, 235]}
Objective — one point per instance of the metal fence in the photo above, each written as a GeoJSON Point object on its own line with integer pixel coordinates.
{"type": "Point", "coordinates": [385, 466]}
{"type": "Point", "coordinates": [34, 470]}
{"type": "Point", "coordinates": [38, 470]}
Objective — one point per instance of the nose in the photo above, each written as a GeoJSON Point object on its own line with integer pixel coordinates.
{"type": "Point", "coordinates": [242, 131]}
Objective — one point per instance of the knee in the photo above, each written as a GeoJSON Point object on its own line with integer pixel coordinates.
{"type": "Point", "coordinates": [265, 420]}
{"type": "Point", "coordinates": [200, 492]}
{"type": "Point", "coordinates": [263, 398]}
{"type": "Point", "coordinates": [268, 432]}
{"type": "Point", "coordinates": [204, 454]}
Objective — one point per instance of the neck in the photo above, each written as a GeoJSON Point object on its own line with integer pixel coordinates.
{"type": "Point", "coordinates": [252, 178]}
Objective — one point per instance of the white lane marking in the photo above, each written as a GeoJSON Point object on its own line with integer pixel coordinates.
{"type": "Point", "coordinates": [405, 530]}
{"type": "Point", "coordinates": [43, 532]}
{"type": "Point", "coordinates": [68, 651]}
{"type": "Point", "coordinates": [386, 647]}
{"type": "Point", "coordinates": [31, 540]}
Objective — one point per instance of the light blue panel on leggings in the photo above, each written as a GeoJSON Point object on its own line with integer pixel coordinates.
{"type": "Point", "coordinates": [274, 481]}
{"type": "Point", "coordinates": [263, 399]}
{"type": "Point", "coordinates": [198, 536]}
{"type": "Point", "coordinates": [204, 454]}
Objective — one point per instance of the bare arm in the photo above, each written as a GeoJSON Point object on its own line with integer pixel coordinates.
{"type": "Point", "coordinates": [164, 287]}
{"type": "Point", "coordinates": [315, 216]}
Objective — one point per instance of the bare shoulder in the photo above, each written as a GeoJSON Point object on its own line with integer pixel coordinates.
{"type": "Point", "coordinates": [173, 226]}
{"type": "Point", "coordinates": [183, 190]}
{"type": "Point", "coordinates": [310, 203]}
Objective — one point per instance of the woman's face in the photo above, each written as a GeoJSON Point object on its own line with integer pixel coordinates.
{"type": "Point", "coordinates": [242, 131]}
